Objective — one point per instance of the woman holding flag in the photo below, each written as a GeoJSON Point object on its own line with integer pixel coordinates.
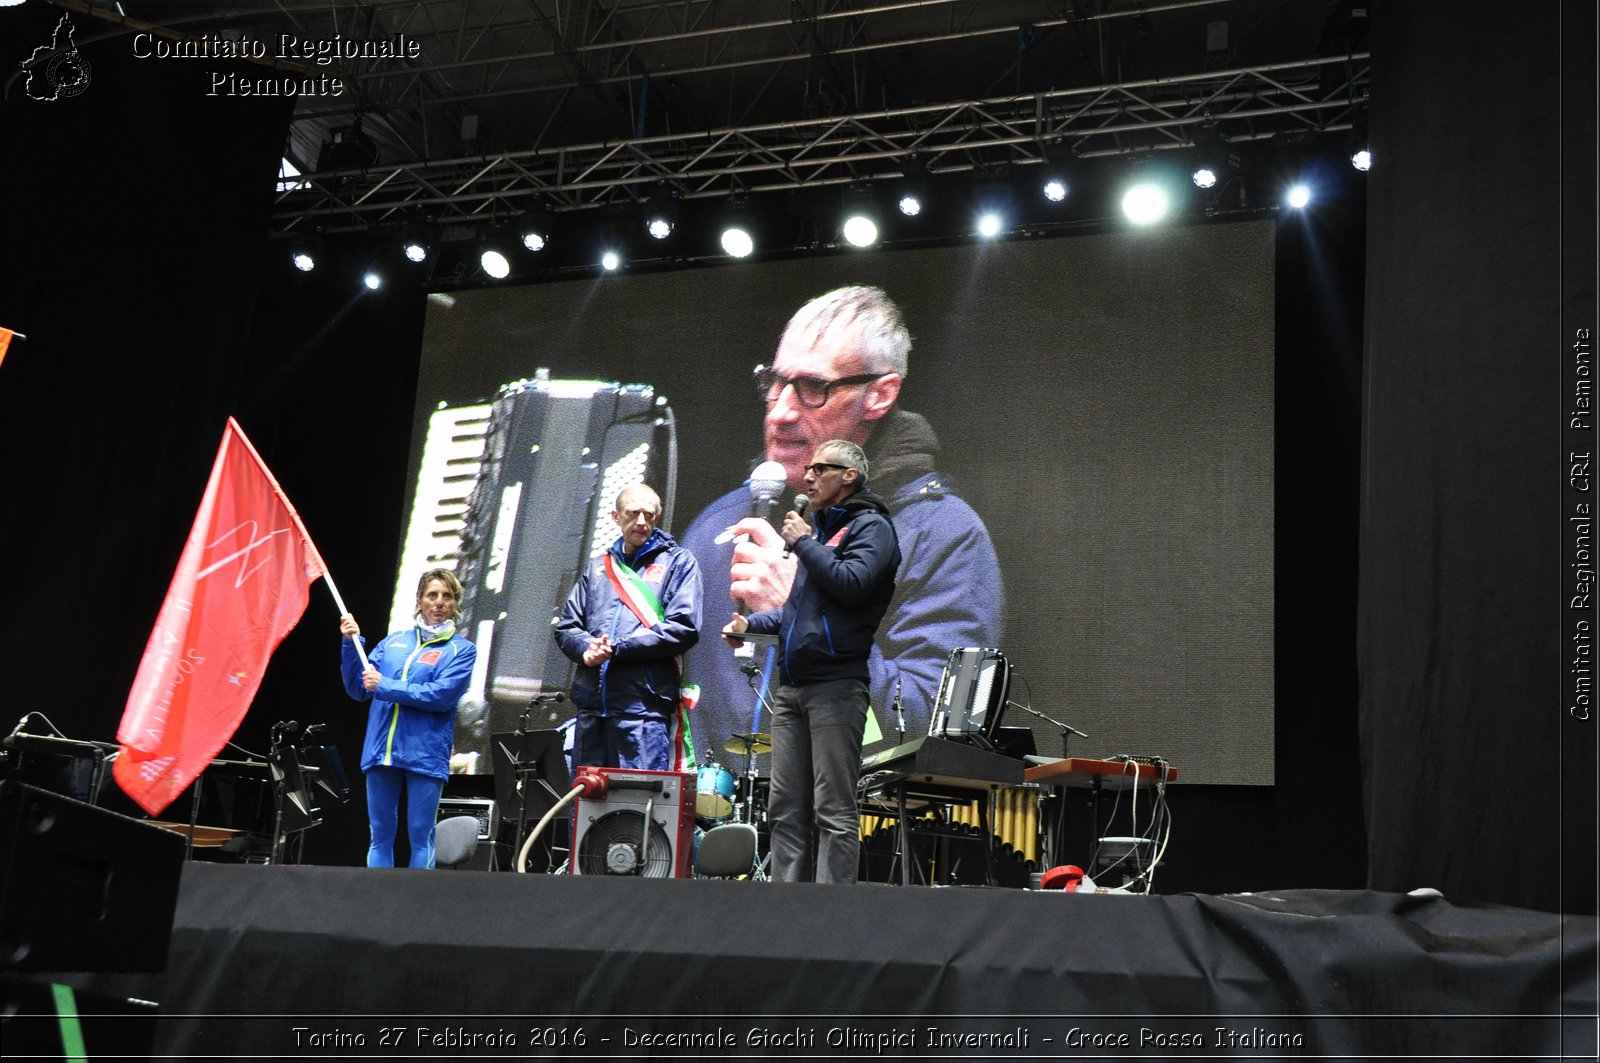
{"type": "Point", "coordinates": [414, 678]}
{"type": "Point", "coordinates": [627, 623]}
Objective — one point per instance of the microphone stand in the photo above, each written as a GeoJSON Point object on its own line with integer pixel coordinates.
{"type": "Point", "coordinates": [1066, 729]}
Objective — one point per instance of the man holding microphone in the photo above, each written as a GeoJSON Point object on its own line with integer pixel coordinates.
{"type": "Point", "coordinates": [843, 582]}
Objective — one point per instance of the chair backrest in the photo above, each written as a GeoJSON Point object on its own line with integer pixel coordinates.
{"type": "Point", "coordinates": [454, 840]}
{"type": "Point", "coordinates": [726, 851]}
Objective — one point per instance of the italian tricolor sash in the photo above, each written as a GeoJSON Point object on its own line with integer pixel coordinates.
{"type": "Point", "coordinates": [642, 602]}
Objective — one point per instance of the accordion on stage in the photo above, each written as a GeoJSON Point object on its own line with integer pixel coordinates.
{"type": "Point", "coordinates": [515, 496]}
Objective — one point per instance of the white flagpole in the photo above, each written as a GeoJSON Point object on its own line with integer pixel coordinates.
{"type": "Point", "coordinates": [327, 577]}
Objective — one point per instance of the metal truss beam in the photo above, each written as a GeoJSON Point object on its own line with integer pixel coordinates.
{"type": "Point", "coordinates": [1306, 97]}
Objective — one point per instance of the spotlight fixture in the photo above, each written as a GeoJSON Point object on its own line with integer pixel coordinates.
{"type": "Point", "coordinates": [860, 227]}
{"type": "Point", "coordinates": [1361, 159]}
{"type": "Point", "coordinates": [373, 280]}
{"type": "Point", "coordinates": [610, 261]}
{"type": "Point", "coordinates": [1204, 177]}
{"type": "Point", "coordinates": [305, 252]}
{"type": "Point", "coordinates": [1145, 203]}
{"type": "Point", "coordinates": [738, 230]}
{"type": "Point", "coordinates": [913, 185]}
{"type": "Point", "coordinates": [1299, 196]}
{"type": "Point", "coordinates": [415, 244]}
{"type": "Point", "coordinates": [990, 224]}
{"type": "Point", "coordinates": [910, 204]}
{"type": "Point", "coordinates": [1055, 189]}
{"type": "Point", "coordinates": [533, 229]}
{"type": "Point", "coordinates": [660, 217]}
{"type": "Point", "coordinates": [495, 263]}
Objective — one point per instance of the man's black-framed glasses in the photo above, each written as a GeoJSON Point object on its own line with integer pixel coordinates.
{"type": "Point", "coordinates": [812, 392]}
{"type": "Point", "coordinates": [817, 468]}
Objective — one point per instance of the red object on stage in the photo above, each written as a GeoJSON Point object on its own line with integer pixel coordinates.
{"type": "Point", "coordinates": [1067, 877]}
{"type": "Point", "coordinates": [241, 585]}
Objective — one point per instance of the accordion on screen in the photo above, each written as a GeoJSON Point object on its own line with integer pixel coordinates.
{"type": "Point", "coordinates": [972, 696]}
{"type": "Point", "coordinates": [515, 496]}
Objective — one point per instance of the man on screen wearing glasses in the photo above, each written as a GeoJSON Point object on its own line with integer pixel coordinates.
{"type": "Point", "coordinates": [837, 375]}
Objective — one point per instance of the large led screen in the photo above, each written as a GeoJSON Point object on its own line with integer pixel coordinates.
{"type": "Point", "coordinates": [1080, 464]}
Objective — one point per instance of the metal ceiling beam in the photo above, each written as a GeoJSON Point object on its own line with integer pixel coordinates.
{"type": "Point", "coordinates": [1304, 97]}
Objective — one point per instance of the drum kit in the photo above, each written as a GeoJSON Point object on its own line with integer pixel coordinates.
{"type": "Point", "coordinates": [721, 797]}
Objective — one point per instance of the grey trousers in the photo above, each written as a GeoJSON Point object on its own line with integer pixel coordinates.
{"type": "Point", "coordinates": [816, 763]}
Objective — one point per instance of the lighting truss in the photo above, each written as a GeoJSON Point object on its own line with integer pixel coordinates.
{"type": "Point", "coordinates": [1292, 99]}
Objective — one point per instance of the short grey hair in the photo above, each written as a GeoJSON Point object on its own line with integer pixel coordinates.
{"type": "Point", "coordinates": [849, 455]}
{"type": "Point", "coordinates": [869, 315]}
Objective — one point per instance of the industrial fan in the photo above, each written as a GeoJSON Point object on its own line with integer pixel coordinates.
{"type": "Point", "coordinates": [635, 823]}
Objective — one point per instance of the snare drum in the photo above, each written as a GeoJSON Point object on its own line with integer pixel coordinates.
{"type": "Point", "coordinates": [714, 793]}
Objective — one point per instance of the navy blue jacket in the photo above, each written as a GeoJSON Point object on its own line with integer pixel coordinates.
{"type": "Point", "coordinates": [841, 590]}
{"type": "Point", "coordinates": [641, 678]}
{"type": "Point", "coordinates": [947, 593]}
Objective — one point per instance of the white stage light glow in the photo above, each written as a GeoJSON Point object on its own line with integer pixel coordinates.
{"type": "Point", "coordinates": [1299, 196]}
{"type": "Point", "coordinates": [860, 231]}
{"type": "Point", "coordinates": [1055, 190]}
{"type": "Point", "coordinates": [1145, 203]}
{"type": "Point", "coordinates": [1204, 177]}
{"type": "Point", "coordinates": [1362, 160]}
{"type": "Point", "coordinates": [372, 280]}
{"type": "Point", "coordinates": [737, 242]}
{"type": "Point", "coordinates": [304, 262]}
{"type": "Point", "coordinates": [910, 206]}
{"type": "Point", "coordinates": [990, 224]}
{"type": "Point", "coordinates": [495, 265]}
{"type": "Point", "coordinates": [610, 261]}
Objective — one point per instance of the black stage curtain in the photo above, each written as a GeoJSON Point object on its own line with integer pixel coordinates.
{"type": "Point", "coordinates": [136, 260]}
{"type": "Point", "coordinates": [1476, 779]}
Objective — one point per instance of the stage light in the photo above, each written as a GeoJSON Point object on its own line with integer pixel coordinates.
{"type": "Point", "coordinates": [913, 185]}
{"type": "Point", "coordinates": [1299, 196]}
{"type": "Point", "coordinates": [495, 264]}
{"type": "Point", "coordinates": [1055, 190]}
{"type": "Point", "coordinates": [373, 280]}
{"type": "Point", "coordinates": [1145, 203]}
{"type": "Point", "coordinates": [1361, 160]}
{"type": "Point", "coordinates": [990, 224]}
{"type": "Point", "coordinates": [660, 217]}
{"type": "Point", "coordinates": [534, 231]}
{"type": "Point", "coordinates": [415, 244]}
{"type": "Point", "coordinates": [737, 242]}
{"type": "Point", "coordinates": [609, 261]}
{"type": "Point", "coordinates": [305, 252]}
{"type": "Point", "coordinates": [860, 228]}
{"type": "Point", "coordinates": [415, 251]}
{"type": "Point", "coordinates": [910, 204]}
{"type": "Point", "coordinates": [1204, 177]}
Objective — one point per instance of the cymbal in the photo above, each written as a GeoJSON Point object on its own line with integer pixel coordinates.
{"type": "Point", "coordinates": [757, 743]}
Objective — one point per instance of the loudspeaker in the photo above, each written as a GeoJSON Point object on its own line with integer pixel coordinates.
{"type": "Point", "coordinates": [83, 889]}
{"type": "Point", "coordinates": [643, 827]}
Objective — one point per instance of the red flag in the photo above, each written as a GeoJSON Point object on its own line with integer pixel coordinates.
{"type": "Point", "coordinates": [5, 341]}
{"type": "Point", "coordinates": [241, 585]}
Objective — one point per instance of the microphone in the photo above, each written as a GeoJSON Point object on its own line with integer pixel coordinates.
{"type": "Point", "coordinates": [554, 697]}
{"type": "Point", "coordinates": [767, 482]}
{"type": "Point", "coordinates": [801, 503]}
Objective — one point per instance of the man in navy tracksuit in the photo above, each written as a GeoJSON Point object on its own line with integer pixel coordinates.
{"type": "Point", "coordinates": [626, 624]}
{"type": "Point", "coordinates": [841, 590]}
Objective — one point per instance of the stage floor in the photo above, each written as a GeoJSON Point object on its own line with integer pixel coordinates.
{"type": "Point", "coordinates": [293, 962]}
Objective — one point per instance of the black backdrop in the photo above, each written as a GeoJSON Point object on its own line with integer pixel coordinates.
{"type": "Point", "coordinates": [114, 407]}
{"type": "Point", "coordinates": [1482, 266]}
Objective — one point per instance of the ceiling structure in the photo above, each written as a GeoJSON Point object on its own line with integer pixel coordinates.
{"type": "Point", "coordinates": [516, 105]}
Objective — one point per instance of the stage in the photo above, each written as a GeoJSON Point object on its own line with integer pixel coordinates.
{"type": "Point", "coordinates": [281, 962]}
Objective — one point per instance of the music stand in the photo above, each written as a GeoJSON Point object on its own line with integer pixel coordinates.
{"type": "Point", "coordinates": [530, 775]}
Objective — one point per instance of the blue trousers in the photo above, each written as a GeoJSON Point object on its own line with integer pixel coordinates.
{"type": "Point", "coordinates": [383, 812]}
{"type": "Point", "coordinates": [622, 741]}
